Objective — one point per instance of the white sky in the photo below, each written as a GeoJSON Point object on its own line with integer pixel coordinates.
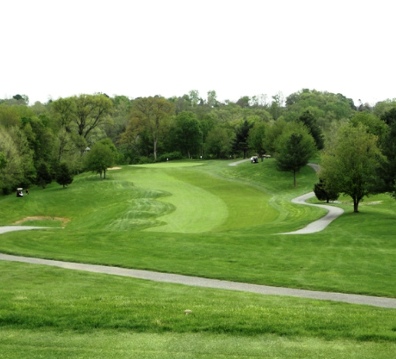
{"type": "Point", "coordinates": [60, 48]}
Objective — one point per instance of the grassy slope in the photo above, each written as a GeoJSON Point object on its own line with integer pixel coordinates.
{"type": "Point", "coordinates": [49, 312]}
{"type": "Point", "coordinates": [118, 222]}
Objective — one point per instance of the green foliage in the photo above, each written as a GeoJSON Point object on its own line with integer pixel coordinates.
{"type": "Point", "coordinates": [150, 117]}
{"type": "Point", "coordinates": [43, 177]}
{"type": "Point", "coordinates": [294, 149]}
{"type": "Point", "coordinates": [3, 160]}
{"type": "Point", "coordinates": [63, 175]}
{"type": "Point", "coordinates": [257, 137]}
{"type": "Point", "coordinates": [350, 166]}
{"type": "Point", "coordinates": [240, 143]}
{"type": "Point", "coordinates": [308, 119]}
{"type": "Point", "coordinates": [219, 142]}
{"type": "Point", "coordinates": [9, 116]}
{"type": "Point", "coordinates": [100, 157]}
{"type": "Point", "coordinates": [170, 156]}
{"type": "Point", "coordinates": [272, 134]}
{"type": "Point", "coordinates": [388, 146]}
{"type": "Point", "coordinates": [373, 124]}
{"type": "Point", "coordinates": [17, 166]}
{"type": "Point", "coordinates": [324, 194]}
{"type": "Point", "coordinates": [337, 104]}
{"type": "Point", "coordinates": [83, 114]}
{"type": "Point", "coordinates": [186, 135]}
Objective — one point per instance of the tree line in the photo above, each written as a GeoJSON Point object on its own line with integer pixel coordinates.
{"type": "Point", "coordinates": [40, 143]}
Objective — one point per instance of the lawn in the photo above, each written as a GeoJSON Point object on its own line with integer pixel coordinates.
{"type": "Point", "coordinates": [197, 218]}
{"type": "Point", "coordinates": [54, 313]}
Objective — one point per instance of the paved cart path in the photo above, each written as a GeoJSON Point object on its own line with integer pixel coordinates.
{"type": "Point", "coordinates": [208, 283]}
{"type": "Point", "coordinates": [321, 223]}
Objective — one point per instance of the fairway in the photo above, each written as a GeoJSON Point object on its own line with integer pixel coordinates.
{"type": "Point", "coordinates": [201, 202]}
{"type": "Point", "coordinates": [195, 210]}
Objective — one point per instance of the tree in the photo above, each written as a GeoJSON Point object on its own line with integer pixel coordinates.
{"type": "Point", "coordinates": [43, 175]}
{"type": "Point", "coordinates": [257, 136]}
{"type": "Point", "coordinates": [276, 108]}
{"type": "Point", "coordinates": [91, 112]}
{"type": "Point", "coordinates": [17, 168]}
{"type": "Point", "coordinates": [241, 138]}
{"type": "Point", "coordinates": [350, 165]}
{"type": "Point", "coordinates": [212, 98]}
{"type": "Point", "coordinates": [308, 119]}
{"type": "Point", "coordinates": [336, 104]}
{"type": "Point", "coordinates": [151, 115]}
{"type": "Point", "coordinates": [324, 194]}
{"type": "Point", "coordinates": [294, 149]}
{"type": "Point", "coordinates": [219, 142]}
{"type": "Point", "coordinates": [187, 134]}
{"type": "Point", "coordinates": [83, 113]}
{"type": "Point", "coordinates": [102, 156]}
{"type": "Point", "coordinates": [3, 160]}
{"type": "Point", "coordinates": [63, 175]}
{"type": "Point", "coordinates": [194, 97]}
{"type": "Point", "coordinates": [388, 146]}
{"type": "Point", "coordinates": [243, 101]}
{"type": "Point", "coordinates": [272, 134]}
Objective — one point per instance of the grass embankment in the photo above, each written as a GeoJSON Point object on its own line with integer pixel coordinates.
{"type": "Point", "coordinates": [50, 312]}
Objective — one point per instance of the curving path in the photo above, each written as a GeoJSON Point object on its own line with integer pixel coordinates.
{"type": "Point", "coordinates": [209, 283]}
{"type": "Point", "coordinates": [321, 223]}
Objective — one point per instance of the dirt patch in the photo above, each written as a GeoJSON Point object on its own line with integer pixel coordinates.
{"type": "Point", "coordinates": [113, 168]}
{"type": "Point", "coordinates": [43, 218]}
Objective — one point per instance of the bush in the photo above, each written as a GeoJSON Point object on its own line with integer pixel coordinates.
{"type": "Point", "coordinates": [170, 156]}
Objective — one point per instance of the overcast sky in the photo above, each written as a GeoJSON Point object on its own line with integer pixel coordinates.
{"type": "Point", "coordinates": [60, 48]}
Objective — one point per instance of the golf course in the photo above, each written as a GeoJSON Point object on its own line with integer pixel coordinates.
{"type": "Point", "coordinates": [203, 219]}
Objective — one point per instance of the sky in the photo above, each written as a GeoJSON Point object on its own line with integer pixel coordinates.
{"type": "Point", "coordinates": [138, 48]}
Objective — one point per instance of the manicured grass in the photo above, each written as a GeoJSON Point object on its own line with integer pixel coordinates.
{"type": "Point", "coordinates": [209, 220]}
{"type": "Point", "coordinates": [230, 232]}
{"type": "Point", "coordinates": [52, 312]}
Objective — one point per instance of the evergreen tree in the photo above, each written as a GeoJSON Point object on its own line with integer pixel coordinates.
{"type": "Point", "coordinates": [294, 149]}
{"type": "Point", "coordinates": [63, 175]}
{"type": "Point", "coordinates": [324, 194]}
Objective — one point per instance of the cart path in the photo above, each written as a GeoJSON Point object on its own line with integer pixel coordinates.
{"type": "Point", "coordinates": [321, 223]}
{"type": "Point", "coordinates": [318, 225]}
{"type": "Point", "coordinates": [208, 283]}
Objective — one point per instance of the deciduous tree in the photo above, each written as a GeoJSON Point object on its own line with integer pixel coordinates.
{"type": "Point", "coordinates": [151, 115]}
{"type": "Point", "coordinates": [350, 165]}
{"type": "Point", "coordinates": [187, 134]}
{"type": "Point", "coordinates": [102, 156]}
{"type": "Point", "coordinates": [257, 136]}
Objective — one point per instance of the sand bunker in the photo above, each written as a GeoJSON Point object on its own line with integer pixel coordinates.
{"type": "Point", "coordinates": [43, 218]}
